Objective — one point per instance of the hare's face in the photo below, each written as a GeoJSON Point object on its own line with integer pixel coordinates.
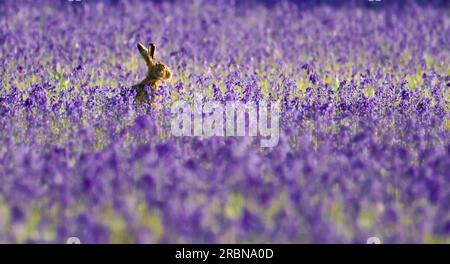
{"type": "Point", "coordinates": [157, 71]}
{"type": "Point", "coordinates": [160, 71]}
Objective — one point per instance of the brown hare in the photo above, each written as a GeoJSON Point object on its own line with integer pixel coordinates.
{"type": "Point", "coordinates": [157, 73]}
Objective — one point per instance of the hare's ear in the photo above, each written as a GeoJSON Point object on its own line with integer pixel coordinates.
{"type": "Point", "coordinates": [151, 50]}
{"type": "Point", "coordinates": [144, 52]}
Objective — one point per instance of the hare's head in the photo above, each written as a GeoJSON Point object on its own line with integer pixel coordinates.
{"type": "Point", "coordinates": [157, 71]}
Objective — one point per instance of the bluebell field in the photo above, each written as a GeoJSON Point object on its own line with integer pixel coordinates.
{"type": "Point", "coordinates": [364, 145]}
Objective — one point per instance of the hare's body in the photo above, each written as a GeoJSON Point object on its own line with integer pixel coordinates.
{"type": "Point", "coordinates": [157, 73]}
